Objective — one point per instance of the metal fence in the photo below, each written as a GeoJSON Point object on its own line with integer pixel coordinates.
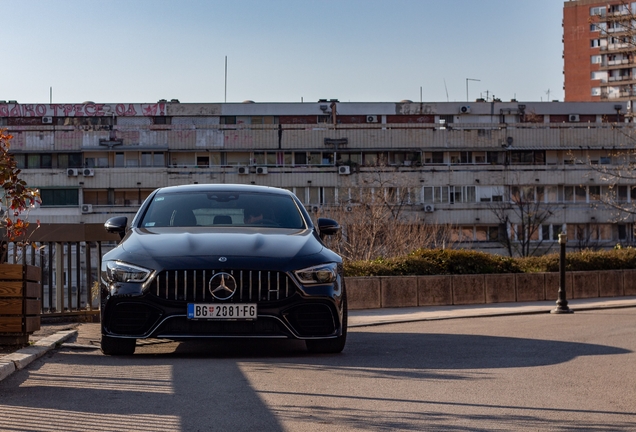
{"type": "Point", "coordinates": [70, 274]}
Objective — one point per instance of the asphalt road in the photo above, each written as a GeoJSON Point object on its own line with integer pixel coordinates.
{"type": "Point", "coordinates": [532, 372]}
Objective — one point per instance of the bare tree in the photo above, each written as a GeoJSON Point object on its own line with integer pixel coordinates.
{"type": "Point", "coordinates": [520, 220]}
{"type": "Point", "coordinates": [378, 220]}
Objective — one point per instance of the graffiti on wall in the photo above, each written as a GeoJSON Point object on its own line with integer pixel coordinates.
{"type": "Point", "coordinates": [82, 110]}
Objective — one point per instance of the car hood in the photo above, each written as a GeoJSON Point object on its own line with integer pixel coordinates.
{"type": "Point", "coordinates": [179, 243]}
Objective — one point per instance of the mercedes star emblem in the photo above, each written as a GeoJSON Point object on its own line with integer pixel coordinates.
{"type": "Point", "coordinates": [222, 286]}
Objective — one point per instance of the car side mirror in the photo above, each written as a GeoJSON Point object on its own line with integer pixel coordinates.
{"type": "Point", "coordinates": [117, 225]}
{"type": "Point", "coordinates": [327, 227]}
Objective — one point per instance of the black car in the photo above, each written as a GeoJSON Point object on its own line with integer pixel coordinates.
{"type": "Point", "coordinates": [222, 261]}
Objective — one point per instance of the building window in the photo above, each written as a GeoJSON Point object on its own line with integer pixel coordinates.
{"type": "Point", "coordinates": [33, 160]}
{"type": "Point", "coordinates": [527, 157]}
{"type": "Point", "coordinates": [59, 197]}
{"type": "Point", "coordinates": [149, 159]}
{"type": "Point", "coordinates": [119, 160]}
{"type": "Point", "coordinates": [95, 196]}
{"type": "Point", "coordinates": [461, 157]}
{"type": "Point", "coordinates": [131, 197]}
{"type": "Point", "coordinates": [596, 59]}
{"type": "Point", "coordinates": [598, 11]}
{"type": "Point", "coordinates": [132, 159]}
{"type": "Point", "coordinates": [436, 194]}
{"type": "Point", "coordinates": [96, 162]}
{"type": "Point", "coordinates": [434, 157]}
{"type": "Point", "coordinates": [69, 160]}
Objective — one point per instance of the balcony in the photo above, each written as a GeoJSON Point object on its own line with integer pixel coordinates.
{"type": "Point", "coordinates": [617, 64]}
{"type": "Point", "coordinates": [618, 48]}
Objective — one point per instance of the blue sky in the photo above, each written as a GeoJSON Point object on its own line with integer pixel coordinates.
{"type": "Point", "coordinates": [280, 50]}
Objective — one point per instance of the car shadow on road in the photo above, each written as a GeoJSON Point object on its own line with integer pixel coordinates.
{"type": "Point", "coordinates": [407, 350]}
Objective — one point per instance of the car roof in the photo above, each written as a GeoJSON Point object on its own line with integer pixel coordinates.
{"type": "Point", "coordinates": [217, 187]}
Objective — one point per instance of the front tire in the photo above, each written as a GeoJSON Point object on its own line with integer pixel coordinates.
{"type": "Point", "coordinates": [116, 346]}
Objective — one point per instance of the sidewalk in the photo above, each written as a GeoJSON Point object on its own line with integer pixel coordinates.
{"type": "Point", "coordinates": [86, 336]}
{"type": "Point", "coordinates": [371, 317]}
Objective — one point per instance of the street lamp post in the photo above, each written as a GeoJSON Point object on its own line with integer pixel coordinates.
{"type": "Point", "coordinates": [562, 303]}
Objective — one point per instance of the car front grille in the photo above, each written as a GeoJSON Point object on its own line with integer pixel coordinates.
{"type": "Point", "coordinates": [252, 285]}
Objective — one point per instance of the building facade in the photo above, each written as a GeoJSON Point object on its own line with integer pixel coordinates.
{"type": "Point", "coordinates": [461, 164]}
{"type": "Point", "coordinates": [599, 52]}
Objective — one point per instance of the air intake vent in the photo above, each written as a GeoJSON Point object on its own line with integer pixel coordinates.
{"type": "Point", "coordinates": [312, 320]}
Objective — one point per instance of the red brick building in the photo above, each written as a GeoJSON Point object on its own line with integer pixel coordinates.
{"type": "Point", "coordinates": [598, 51]}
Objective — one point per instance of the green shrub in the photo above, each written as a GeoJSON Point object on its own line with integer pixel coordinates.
{"type": "Point", "coordinates": [449, 262]}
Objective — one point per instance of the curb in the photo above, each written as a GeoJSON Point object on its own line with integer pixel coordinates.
{"type": "Point", "coordinates": [25, 356]}
{"type": "Point", "coordinates": [447, 314]}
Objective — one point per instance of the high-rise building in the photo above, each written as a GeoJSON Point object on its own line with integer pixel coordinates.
{"type": "Point", "coordinates": [599, 51]}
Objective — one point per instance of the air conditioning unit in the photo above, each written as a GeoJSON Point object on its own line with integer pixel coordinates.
{"type": "Point", "coordinates": [47, 120]}
{"type": "Point", "coordinates": [429, 208]}
{"type": "Point", "coordinates": [87, 208]}
{"type": "Point", "coordinates": [243, 170]}
{"type": "Point", "coordinates": [344, 170]}
{"type": "Point", "coordinates": [372, 119]}
{"type": "Point", "coordinates": [261, 170]}
{"type": "Point", "coordinates": [573, 118]}
{"type": "Point", "coordinates": [464, 109]}
{"type": "Point", "coordinates": [72, 172]}
{"type": "Point", "coordinates": [88, 172]}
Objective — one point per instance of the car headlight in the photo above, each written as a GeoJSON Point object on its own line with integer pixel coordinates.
{"type": "Point", "coordinates": [321, 274]}
{"type": "Point", "coordinates": [121, 272]}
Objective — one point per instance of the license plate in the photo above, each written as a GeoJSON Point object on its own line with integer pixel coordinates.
{"type": "Point", "coordinates": [221, 311]}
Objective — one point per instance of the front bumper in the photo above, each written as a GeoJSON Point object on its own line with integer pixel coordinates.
{"type": "Point", "coordinates": [315, 313]}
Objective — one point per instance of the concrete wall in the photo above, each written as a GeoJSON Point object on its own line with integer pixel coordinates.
{"type": "Point", "coordinates": [408, 291]}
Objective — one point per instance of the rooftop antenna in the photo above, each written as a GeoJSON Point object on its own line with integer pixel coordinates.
{"type": "Point", "coordinates": [50, 95]}
{"type": "Point", "coordinates": [469, 79]}
{"type": "Point", "coordinates": [548, 93]}
{"type": "Point", "coordinates": [446, 88]}
{"type": "Point", "coordinates": [225, 79]}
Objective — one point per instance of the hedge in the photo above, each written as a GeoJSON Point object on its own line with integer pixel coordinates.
{"type": "Point", "coordinates": [449, 261]}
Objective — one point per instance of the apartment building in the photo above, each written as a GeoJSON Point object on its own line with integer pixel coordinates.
{"type": "Point", "coordinates": [451, 163]}
{"type": "Point", "coordinates": [599, 52]}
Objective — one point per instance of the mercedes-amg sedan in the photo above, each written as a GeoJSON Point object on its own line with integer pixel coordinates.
{"type": "Point", "coordinates": [222, 261]}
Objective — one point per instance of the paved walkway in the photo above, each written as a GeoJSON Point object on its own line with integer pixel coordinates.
{"type": "Point", "coordinates": [86, 336]}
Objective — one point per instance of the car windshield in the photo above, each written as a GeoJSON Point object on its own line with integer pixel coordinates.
{"type": "Point", "coordinates": [189, 209]}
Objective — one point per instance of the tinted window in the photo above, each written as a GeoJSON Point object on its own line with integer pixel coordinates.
{"type": "Point", "coordinates": [222, 209]}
